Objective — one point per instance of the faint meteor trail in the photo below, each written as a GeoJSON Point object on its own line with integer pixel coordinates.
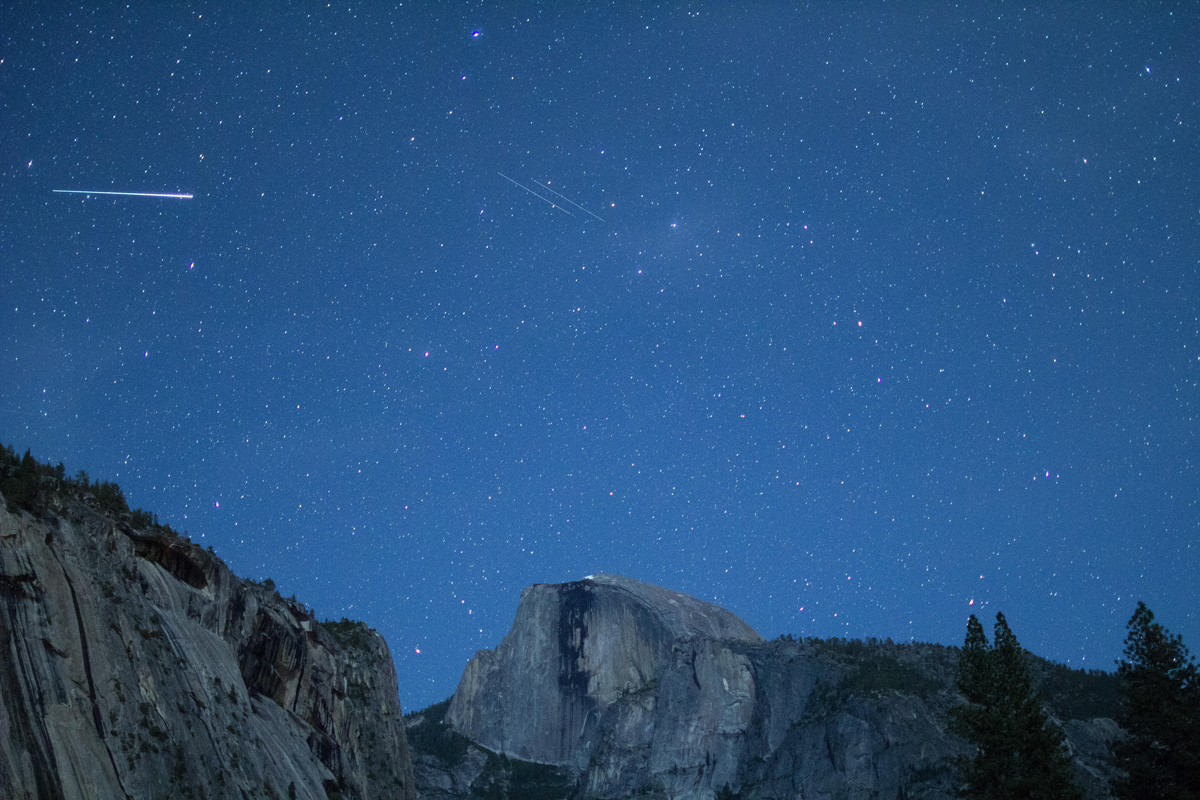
{"type": "Point", "coordinates": [126, 194]}
{"type": "Point", "coordinates": [569, 200]}
{"type": "Point", "coordinates": [535, 194]}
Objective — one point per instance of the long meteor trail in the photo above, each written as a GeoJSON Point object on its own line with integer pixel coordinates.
{"type": "Point", "coordinates": [569, 200]}
{"type": "Point", "coordinates": [126, 194]}
{"type": "Point", "coordinates": [535, 194]}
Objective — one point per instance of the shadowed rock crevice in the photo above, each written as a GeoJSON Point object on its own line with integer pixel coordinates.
{"type": "Point", "coordinates": [574, 599]}
{"type": "Point", "coordinates": [97, 720]}
{"type": "Point", "coordinates": [87, 662]}
{"type": "Point", "coordinates": [23, 721]}
{"type": "Point", "coordinates": [172, 556]}
{"type": "Point", "coordinates": [17, 585]}
{"type": "Point", "coordinates": [272, 659]}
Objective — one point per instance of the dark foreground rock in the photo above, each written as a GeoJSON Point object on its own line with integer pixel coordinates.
{"type": "Point", "coordinates": [134, 664]}
{"type": "Point", "coordinates": [618, 689]}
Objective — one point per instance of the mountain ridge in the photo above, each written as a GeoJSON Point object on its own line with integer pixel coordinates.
{"type": "Point", "coordinates": [595, 684]}
{"type": "Point", "coordinates": [126, 645]}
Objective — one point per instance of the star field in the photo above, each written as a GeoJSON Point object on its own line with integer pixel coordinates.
{"type": "Point", "coordinates": [854, 320]}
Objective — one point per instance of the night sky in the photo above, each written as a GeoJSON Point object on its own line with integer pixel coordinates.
{"type": "Point", "coordinates": [854, 319]}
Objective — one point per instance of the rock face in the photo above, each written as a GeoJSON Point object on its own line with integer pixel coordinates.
{"type": "Point", "coordinates": [135, 664]}
{"type": "Point", "coordinates": [575, 651]}
{"type": "Point", "coordinates": [448, 766]}
{"type": "Point", "coordinates": [639, 692]}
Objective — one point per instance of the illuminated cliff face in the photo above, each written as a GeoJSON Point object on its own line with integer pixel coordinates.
{"type": "Point", "coordinates": [575, 650]}
{"type": "Point", "coordinates": [633, 690]}
{"type": "Point", "coordinates": [135, 664]}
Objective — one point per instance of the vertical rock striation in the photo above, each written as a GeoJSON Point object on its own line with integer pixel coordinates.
{"type": "Point", "coordinates": [135, 664]}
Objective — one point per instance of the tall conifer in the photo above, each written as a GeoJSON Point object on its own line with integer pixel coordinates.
{"type": "Point", "coordinates": [1019, 753]}
{"type": "Point", "coordinates": [1160, 753]}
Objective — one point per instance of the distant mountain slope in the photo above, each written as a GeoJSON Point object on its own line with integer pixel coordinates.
{"type": "Point", "coordinates": [625, 690]}
{"type": "Point", "coordinates": [134, 664]}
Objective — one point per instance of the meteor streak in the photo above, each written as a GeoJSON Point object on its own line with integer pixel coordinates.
{"type": "Point", "coordinates": [569, 200]}
{"type": "Point", "coordinates": [535, 194]}
{"type": "Point", "coordinates": [126, 194]}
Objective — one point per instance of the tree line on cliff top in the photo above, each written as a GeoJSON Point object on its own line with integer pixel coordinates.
{"type": "Point", "coordinates": [1019, 753]}
{"type": "Point", "coordinates": [28, 485]}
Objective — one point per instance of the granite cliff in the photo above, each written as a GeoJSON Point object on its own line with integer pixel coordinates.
{"type": "Point", "coordinates": [134, 664]}
{"type": "Point", "coordinates": [613, 688]}
{"type": "Point", "coordinates": [577, 650]}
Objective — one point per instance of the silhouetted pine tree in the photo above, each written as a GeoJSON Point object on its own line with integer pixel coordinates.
{"type": "Point", "coordinates": [725, 793]}
{"type": "Point", "coordinates": [110, 497]}
{"type": "Point", "coordinates": [1019, 752]}
{"type": "Point", "coordinates": [21, 487]}
{"type": "Point", "coordinates": [1161, 715]}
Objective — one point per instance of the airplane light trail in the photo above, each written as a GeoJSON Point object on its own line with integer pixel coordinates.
{"type": "Point", "coordinates": [126, 194]}
{"type": "Point", "coordinates": [535, 194]}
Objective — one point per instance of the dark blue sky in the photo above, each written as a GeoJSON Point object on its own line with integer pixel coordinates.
{"type": "Point", "coordinates": [890, 315]}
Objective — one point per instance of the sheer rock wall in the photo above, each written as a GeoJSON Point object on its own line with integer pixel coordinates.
{"type": "Point", "coordinates": [135, 664]}
{"type": "Point", "coordinates": [575, 651]}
